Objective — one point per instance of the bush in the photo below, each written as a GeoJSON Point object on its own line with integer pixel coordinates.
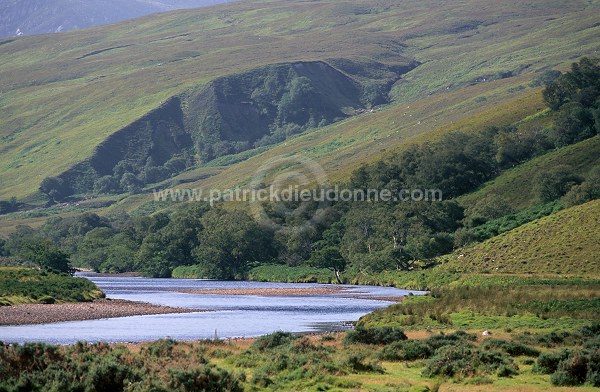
{"type": "Point", "coordinates": [465, 361]}
{"type": "Point", "coordinates": [205, 378]}
{"type": "Point", "coordinates": [108, 376]}
{"type": "Point", "coordinates": [275, 339]}
{"type": "Point", "coordinates": [409, 350]}
{"type": "Point", "coordinates": [553, 183]}
{"type": "Point", "coordinates": [437, 341]}
{"type": "Point", "coordinates": [356, 364]}
{"type": "Point", "coordinates": [547, 363]}
{"type": "Point", "coordinates": [513, 349]}
{"type": "Point", "coordinates": [451, 360]}
{"type": "Point", "coordinates": [507, 371]}
{"type": "Point", "coordinates": [376, 335]}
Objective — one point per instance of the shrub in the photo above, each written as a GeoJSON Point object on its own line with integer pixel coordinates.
{"type": "Point", "coordinates": [108, 376]}
{"type": "Point", "coordinates": [409, 350]}
{"type": "Point", "coordinates": [205, 378]}
{"type": "Point", "coordinates": [437, 341]}
{"type": "Point", "coordinates": [506, 371]}
{"type": "Point", "coordinates": [356, 364]}
{"type": "Point", "coordinates": [465, 361]}
{"type": "Point", "coordinates": [275, 339]}
{"type": "Point", "coordinates": [161, 348]}
{"type": "Point", "coordinates": [513, 349]}
{"type": "Point", "coordinates": [451, 360]}
{"type": "Point", "coordinates": [579, 367]}
{"type": "Point", "coordinates": [375, 335]}
{"type": "Point", "coordinates": [547, 363]}
{"type": "Point", "coordinates": [590, 331]}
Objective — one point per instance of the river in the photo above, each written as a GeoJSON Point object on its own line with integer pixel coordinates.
{"type": "Point", "coordinates": [227, 316]}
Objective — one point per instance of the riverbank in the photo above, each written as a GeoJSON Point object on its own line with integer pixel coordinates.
{"type": "Point", "coordinates": [79, 311]}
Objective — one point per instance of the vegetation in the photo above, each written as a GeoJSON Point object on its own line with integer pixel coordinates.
{"type": "Point", "coordinates": [534, 304]}
{"type": "Point", "coordinates": [282, 361]}
{"type": "Point", "coordinates": [25, 285]}
{"type": "Point", "coordinates": [106, 86]}
{"type": "Point", "coordinates": [519, 182]}
{"type": "Point", "coordinates": [562, 243]}
{"type": "Point", "coordinates": [102, 367]}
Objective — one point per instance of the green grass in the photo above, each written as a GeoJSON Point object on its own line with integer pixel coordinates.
{"type": "Point", "coordinates": [529, 305]}
{"type": "Point", "coordinates": [57, 108]}
{"type": "Point", "coordinates": [563, 243]}
{"type": "Point", "coordinates": [26, 285]}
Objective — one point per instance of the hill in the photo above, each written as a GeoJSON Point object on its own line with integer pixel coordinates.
{"type": "Point", "coordinates": [563, 243]}
{"type": "Point", "coordinates": [66, 95]}
{"type": "Point", "coordinates": [27, 17]}
{"type": "Point", "coordinates": [515, 185]}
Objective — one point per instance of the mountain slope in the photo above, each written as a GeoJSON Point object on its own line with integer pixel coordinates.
{"type": "Point", "coordinates": [516, 185]}
{"type": "Point", "coordinates": [63, 96]}
{"type": "Point", "coordinates": [27, 17]}
{"type": "Point", "coordinates": [563, 243]}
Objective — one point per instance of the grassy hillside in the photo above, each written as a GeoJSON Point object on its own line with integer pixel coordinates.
{"type": "Point", "coordinates": [64, 95]}
{"type": "Point", "coordinates": [515, 185]}
{"type": "Point", "coordinates": [563, 243]}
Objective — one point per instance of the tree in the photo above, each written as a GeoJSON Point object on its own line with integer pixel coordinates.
{"type": "Point", "coordinates": [229, 243]}
{"type": "Point", "coordinates": [103, 250]}
{"type": "Point", "coordinates": [7, 206]}
{"type": "Point", "coordinates": [329, 257]}
{"type": "Point", "coordinates": [551, 184]}
{"type": "Point", "coordinates": [56, 188]}
{"type": "Point", "coordinates": [294, 103]}
{"type": "Point", "coordinates": [106, 185]}
{"type": "Point", "coordinates": [581, 84]}
{"type": "Point", "coordinates": [296, 243]}
{"type": "Point", "coordinates": [18, 240]}
{"type": "Point", "coordinates": [573, 123]}
{"type": "Point", "coordinates": [130, 183]}
{"type": "Point", "coordinates": [47, 256]}
{"type": "Point", "coordinates": [3, 250]}
{"type": "Point", "coordinates": [584, 192]}
{"type": "Point", "coordinates": [515, 146]}
{"type": "Point", "coordinates": [172, 244]}
{"type": "Point", "coordinates": [556, 93]}
{"type": "Point", "coordinates": [487, 208]}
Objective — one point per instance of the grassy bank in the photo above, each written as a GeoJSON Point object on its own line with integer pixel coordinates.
{"type": "Point", "coordinates": [27, 285]}
{"type": "Point", "coordinates": [497, 303]}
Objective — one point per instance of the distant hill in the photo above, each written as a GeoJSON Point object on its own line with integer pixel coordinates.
{"type": "Point", "coordinates": [26, 17]}
{"type": "Point", "coordinates": [192, 88]}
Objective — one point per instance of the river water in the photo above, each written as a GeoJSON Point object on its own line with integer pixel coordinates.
{"type": "Point", "coordinates": [228, 316]}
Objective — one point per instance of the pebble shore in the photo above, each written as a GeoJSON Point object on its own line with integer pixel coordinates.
{"type": "Point", "coordinates": [98, 309]}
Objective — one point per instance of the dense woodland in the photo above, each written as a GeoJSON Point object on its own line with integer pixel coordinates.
{"type": "Point", "coordinates": [224, 243]}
